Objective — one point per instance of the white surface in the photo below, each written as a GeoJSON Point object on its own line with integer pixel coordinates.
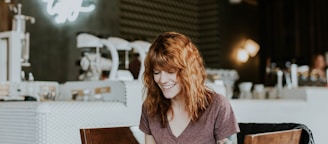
{"type": "Point", "coordinates": [87, 40]}
{"type": "Point", "coordinates": [124, 75]}
{"type": "Point", "coordinates": [3, 60]}
{"type": "Point", "coordinates": [16, 90]}
{"type": "Point", "coordinates": [117, 89]}
{"type": "Point", "coordinates": [218, 88]}
{"type": "Point", "coordinates": [59, 122]}
{"type": "Point", "coordinates": [114, 57]}
{"type": "Point", "coordinates": [138, 134]}
{"type": "Point", "coordinates": [12, 71]}
{"type": "Point", "coordinates": [311, 111]}
{"type": "Point", "coordinates": [142, 48]}
{"type": "Point", "coordinates": [120, 43]}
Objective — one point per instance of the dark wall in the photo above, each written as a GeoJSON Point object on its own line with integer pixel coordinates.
{"type": "Point", "coordinates": [293, 31]}
{"type": "Point", "coordinates": [53, 46]}
{"type": "Point", "coordinates": [240, 22]}
{"type": "Point", "coordinates": [286, 30]}
{"type": "Point", "coordinates": [53, 51]}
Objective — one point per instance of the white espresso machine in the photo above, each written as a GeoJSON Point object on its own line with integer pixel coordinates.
{"type": "Point", "coordinates": [14, 46]}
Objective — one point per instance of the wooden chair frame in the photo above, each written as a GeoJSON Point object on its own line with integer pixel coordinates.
{"type": "Point", "coordinates": [278, 137]}
{"type": "Point", "coordinates": [117, 135]}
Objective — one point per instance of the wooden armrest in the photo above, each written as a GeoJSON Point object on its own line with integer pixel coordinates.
{"type": "Point", "coordinates": [279, 137]}
{"type": "Point", "coordinates": [117, 135]}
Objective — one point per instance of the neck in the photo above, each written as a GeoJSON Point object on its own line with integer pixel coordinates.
{"type": "Point", "coordinates": [178, 102]}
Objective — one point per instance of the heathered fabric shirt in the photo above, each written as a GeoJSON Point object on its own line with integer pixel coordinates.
{"type": "Point", "coordinates": [216, 123]}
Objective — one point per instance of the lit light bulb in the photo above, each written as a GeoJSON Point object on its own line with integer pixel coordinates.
{"type": "Point", "coordinates": [242, 55]}
{"type": "Point", "coordinates": [252, 47]}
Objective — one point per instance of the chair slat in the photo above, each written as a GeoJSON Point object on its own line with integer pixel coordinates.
{"type": "Point", "coordinates": [117, 135]}
{"type": "Point", "coordinates": [279, 137]}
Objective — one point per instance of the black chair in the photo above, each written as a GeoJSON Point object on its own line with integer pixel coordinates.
{"type": "Point", "coordinates": [255, 128]}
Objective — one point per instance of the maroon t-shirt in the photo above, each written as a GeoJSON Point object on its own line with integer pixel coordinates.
{"type": "Point", "coordinates": [216, 123]}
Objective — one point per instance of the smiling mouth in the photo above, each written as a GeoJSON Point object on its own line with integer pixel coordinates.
{"type": "Point", "coordinates": [168, 86]}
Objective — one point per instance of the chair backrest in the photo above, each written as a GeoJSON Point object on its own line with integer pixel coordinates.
{"type": "Point", "coordinates": [142, 48]}
{"type": "Point", "coordinates": [117, 135]}
{"type": "Point", "coordinates": [278, 137]}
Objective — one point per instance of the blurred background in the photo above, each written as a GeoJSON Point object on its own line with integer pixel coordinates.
{"type": "Point", "coordinates": [286, 31]}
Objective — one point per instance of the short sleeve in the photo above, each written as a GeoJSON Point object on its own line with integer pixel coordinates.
{"type": "Point", "coordinates": [144, 122]}
{"type": "Point", "coordinates": [226, 123]}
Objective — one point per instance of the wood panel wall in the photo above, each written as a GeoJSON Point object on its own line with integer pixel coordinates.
{"type": "Point", "coordinates": [197, 19]}
{"type": "Point", "coordinates": [5, 16]}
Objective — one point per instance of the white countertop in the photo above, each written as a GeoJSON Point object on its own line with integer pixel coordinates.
{"type": "Point", "coordinates": [310, 110]}
{"type": "Point", "coordinates": [58, 122]}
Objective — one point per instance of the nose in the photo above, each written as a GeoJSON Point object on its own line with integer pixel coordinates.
{"type": "Point", "coordinates": [163, 78]}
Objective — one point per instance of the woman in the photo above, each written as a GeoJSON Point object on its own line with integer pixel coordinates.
{"type": "Point", "coordinates": [318, 66]}
{"type": "Point", "coordinates": [179, 108]}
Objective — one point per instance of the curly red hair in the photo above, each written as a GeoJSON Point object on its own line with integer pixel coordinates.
{"type": "Point", "coordinates": [174, 51]}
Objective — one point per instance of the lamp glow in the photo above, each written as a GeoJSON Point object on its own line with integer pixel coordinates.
{"type": "Point", "coordinates": [252, 47]}
{"type": "Point", "coordinates": [67, 10]}
{"type": "Point", "coordinates": [242, 55]}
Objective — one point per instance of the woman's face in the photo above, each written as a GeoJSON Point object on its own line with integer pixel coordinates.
{"type": "Point", "coordinates": [320, 62]}
{"type": "Point", "coordinates": [168, 83]}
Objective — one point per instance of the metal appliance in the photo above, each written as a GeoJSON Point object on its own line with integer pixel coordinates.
{"type": "Point", "coordinates": [92, 63]}
{"type": "Point", "coordinates": [14, 46]}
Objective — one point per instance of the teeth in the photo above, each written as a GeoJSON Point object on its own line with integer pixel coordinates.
{"type": "Point", "coordinates": [167, 86]}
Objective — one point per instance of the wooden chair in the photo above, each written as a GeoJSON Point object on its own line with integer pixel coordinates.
{"type": "Point", "coordinates": [279, 137]}
{"type": "Point", "coordinates": [117, 135]}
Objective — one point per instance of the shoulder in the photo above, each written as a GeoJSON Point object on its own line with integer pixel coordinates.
{"type": "Point", "coordinates": [218, 104]}
{"type": "Point", "coordinates": [219, 100]}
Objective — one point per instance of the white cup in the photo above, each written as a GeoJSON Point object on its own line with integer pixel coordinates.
{"type": "Point", "coordinates": [245, 90]}
{"type": "Point", "coordinates": [258, 92]}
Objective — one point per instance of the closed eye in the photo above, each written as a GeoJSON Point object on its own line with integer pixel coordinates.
{"type": "Point", "coordinates": [155, 72]}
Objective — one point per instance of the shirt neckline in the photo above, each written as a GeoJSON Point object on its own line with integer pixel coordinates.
{"type": "Point", "coordinates": [181, 134]}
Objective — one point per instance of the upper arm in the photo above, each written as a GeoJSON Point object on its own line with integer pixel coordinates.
{"type": "Point", "coordinates": [229, 140]}
{"type": "Point", "coordinates": [149, 139]}
{"type": "Point", "coordinates": [225, 123]}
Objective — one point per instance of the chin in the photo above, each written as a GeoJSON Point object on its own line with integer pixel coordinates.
{"type": "Point", "coordinates": [170, 95]}
{"type": "Point", "coordinates": [172, 92]}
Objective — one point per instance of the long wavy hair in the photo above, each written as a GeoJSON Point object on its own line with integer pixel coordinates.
{"type": "Point", "coordinates": [174, 51]}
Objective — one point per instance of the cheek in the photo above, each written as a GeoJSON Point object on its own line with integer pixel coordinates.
{"type": "Point", "coordinates": [156, 78]}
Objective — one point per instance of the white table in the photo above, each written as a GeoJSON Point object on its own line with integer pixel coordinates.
{"type": "Point", "coordinates": [309, 108]}
{"type": "Point", "coordinates": [57, 122]}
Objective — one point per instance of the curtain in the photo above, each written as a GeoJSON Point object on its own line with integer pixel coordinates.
{"type": "Point", "coordinates": [291, 31]}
